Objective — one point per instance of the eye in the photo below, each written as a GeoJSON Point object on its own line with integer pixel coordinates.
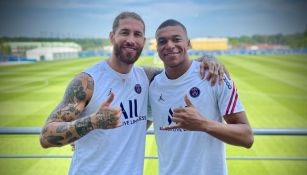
{"type": "Point", "coordinates": [124, 32]}
{"type": "Point", "coordinates": [138, 34]}
{"type": "Point", "coordinates": [161, 41]}
{"type": "Point", "coordinates": [176, 39]}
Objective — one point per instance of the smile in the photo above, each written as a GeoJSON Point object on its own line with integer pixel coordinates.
{"type": "Point", "coordinates": [171, 54]}
{"type": "Point", "coordinates": [129, 48]}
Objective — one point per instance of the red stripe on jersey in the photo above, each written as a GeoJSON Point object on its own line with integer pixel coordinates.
{"type": "Point", "coordinates": [230, 100]}
{"type": "Point", "coordinates": [234, 103]}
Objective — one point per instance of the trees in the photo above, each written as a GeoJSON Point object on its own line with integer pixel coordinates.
{"type": "Point", "coordinates": [296, 40]}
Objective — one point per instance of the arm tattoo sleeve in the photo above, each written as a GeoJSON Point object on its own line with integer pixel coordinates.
{"type": "Point", "coordinates": [151, 72]}
{"type": "Point", "coordinates": [75, 97]}
{"type": "Point", "coordinates": [58, 134]}
{"type": "Point", "coordinates": [60, 127]}
{"type": "Point", "coordinates": [83, 126]}
{"type": "Point", "coordinates": [62, 133]}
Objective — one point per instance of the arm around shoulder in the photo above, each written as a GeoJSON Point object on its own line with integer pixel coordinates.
{"type": "Point", "coordinates": [151, 72]}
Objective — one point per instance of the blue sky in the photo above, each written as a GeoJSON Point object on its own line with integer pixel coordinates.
{"type": "Point", "coordinates": [203, 18]}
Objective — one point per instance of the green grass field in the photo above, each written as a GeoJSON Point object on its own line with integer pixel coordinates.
{"type": "Point", "coordinates": [273, 90]}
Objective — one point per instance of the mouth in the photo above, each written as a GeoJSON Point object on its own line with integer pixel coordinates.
{"type": "Point", "coordinates": [130, 48]}
{"type": "Point", "coordinates": [171, 53]}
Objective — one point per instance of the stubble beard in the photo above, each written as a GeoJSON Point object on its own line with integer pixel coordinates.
{"type": "Point", "coordinates": [128, 59]}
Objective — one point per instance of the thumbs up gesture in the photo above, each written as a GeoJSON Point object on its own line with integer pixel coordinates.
{"type": "Point", "coordinates": [107, 117]}
{"type": "Point", "coordinates": [186, 118]}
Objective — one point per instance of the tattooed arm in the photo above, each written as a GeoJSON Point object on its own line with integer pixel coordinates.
{"type": "Point", "coordinates": [63, 127]}
{"type": "Point", "coordinates": [151, 72]}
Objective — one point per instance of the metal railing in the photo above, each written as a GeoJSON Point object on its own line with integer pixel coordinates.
{"type": "Point", "coordinates": [256, 131]}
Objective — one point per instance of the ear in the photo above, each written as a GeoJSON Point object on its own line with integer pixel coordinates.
{"type": "Point", "coordinates": [111, 37]}
{"type": "Point", "coordinates": [189, 44]}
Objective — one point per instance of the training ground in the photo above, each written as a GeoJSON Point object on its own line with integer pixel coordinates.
{"type": "Point", "coordinates": [273, 89]}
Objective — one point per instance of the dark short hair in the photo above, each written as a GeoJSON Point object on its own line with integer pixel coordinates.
{"type": "Point", "coordinates": [172, 22]}
{"type": "Point", "coordinates": [124, 15]}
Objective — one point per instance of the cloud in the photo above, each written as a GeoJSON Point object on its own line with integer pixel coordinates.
{"type": "Point", "coordinates": [211, 17]}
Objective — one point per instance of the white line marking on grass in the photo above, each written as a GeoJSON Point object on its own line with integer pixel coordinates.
{"type": "Point", "coordinates": [281, 62]}
{"type": "Point", "coordinates": [22, 88]}
{"type": "Point", "coordinates": [45, 78]}
{"type": "Point", "coordinates": [273, 73]}
{"type": "Point", "coordinates": [44, 72]}
{"type": "Point", "coordinates": [19, 111]}
{"type": "Point", "coordinates": [267, 111]}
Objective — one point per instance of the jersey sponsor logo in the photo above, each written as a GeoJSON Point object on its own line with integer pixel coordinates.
{"type": "Point", "coordinates": [228, 84]}
{"type": "Point", "coordinates": [169, 120]}
{"type": "Point", "coordinates": [169, 117]}
{"type": "Point", "coordinates": [194, 92]}
{"type": "Point", "coordinates": [131, 116]}
{"type": "Point", "coordinates": [161, 99]}
{"type": "Point", "coordinates": [110, 91]}
{"type": "Point", "coordinates": [138, 88]}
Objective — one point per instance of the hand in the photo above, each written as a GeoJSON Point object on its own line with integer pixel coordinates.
{"type": "Point", "coordinates": [215, 70]}
{"type": "Point", "coordinates": [187, 118]}
{"type": "Point", "coordinates": [107, 117]}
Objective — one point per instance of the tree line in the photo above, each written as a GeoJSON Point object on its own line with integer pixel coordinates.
{"type": "Point", "coordinates": [296, 40]}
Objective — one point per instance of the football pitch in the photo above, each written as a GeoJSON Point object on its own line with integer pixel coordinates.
{"type": "Point", "coordinates": [273, 89]}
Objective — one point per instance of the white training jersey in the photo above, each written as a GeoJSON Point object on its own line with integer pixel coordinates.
{"type": "Point", "coordinates": [117, 151]}
{"type": "Point", "coordinates": [183, 152]}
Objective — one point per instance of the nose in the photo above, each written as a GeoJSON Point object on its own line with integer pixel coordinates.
{"type": "Point", "coordinates": [130, 39]}
{"type": "Point", "coordinates": [170, 44]}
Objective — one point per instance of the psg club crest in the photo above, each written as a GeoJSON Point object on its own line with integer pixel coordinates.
{"type": "Point", "coordinates": [194, 92]}
{"type": "Point", "coordinates": [138, 88]}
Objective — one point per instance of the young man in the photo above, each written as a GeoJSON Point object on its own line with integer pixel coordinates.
{"type": "Point", "coordinates": [188, 113]}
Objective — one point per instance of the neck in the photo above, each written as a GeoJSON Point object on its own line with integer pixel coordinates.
{"type": "Point", "coordinates": [118, 65]}
{"type": "Point", "coordinates": [178, 70]}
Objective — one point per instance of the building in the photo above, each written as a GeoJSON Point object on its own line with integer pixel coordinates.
{"type": "Point", "coordinates": [260, 46]}
{"type": "Point", "coordinates": [52, 53]}
{"type": "Point", "coordinates": [201, 44]}
{"type": "Point", "coordinates": [209, 44]}
{"type": "Point", "coordinates": [19, 49]}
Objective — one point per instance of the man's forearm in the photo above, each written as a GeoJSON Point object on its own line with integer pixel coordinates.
{"type": "Point", "coordinates": [57, 134]}
{"type": "Point", "coordinates": [234, 134]}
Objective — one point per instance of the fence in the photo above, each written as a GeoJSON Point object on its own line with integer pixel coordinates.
{"type": "Point", "coordinates": [256, 131]}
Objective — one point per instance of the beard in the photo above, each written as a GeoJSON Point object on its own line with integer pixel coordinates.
{"type": "Point", "coordinates": [126, 58]}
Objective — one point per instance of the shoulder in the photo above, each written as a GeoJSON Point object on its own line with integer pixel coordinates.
{"type": "Point", "coordinates": [194, 69]}
{"type": "Point", "coordinates": [94, 69]}
{"type": "Point", "coordinates": [227, 83]}
{"type": "Point", "coordinates": [151, 72]}
{"type": "Point", "coordinates": [83, 76]}
{"type": "Point", "coordinates": [226, 88]}
{"type": "Point", "coordinates": [80, 88]}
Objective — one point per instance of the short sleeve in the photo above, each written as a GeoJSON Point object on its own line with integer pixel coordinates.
{"type": "Point", "coordinates": [228, 98]}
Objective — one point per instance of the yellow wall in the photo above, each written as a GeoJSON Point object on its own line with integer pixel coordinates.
{"type": "Point", "coordinates": [202, 44]}
{"type": "Point", "coordinates": [209, 44]}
